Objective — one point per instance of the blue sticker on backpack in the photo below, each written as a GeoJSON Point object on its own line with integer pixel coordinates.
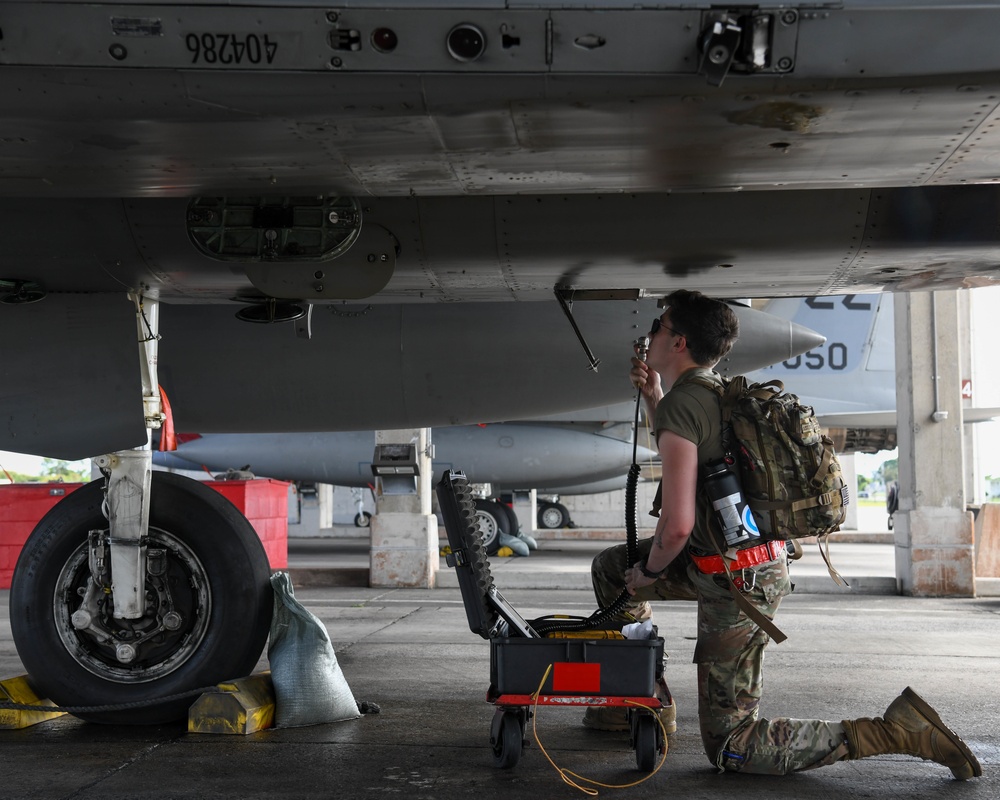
{"type": "Point", "coordinates": [749, 522]}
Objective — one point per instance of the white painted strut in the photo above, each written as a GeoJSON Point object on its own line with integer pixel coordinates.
{"type": "Point", "coordinates": [131, 476]}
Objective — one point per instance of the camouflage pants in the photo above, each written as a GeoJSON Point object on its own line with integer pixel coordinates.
{"type": "Point", "coordinates": [730, 657]}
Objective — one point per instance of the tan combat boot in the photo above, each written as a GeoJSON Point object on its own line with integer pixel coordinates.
{"type": "Point", "coordinates": [668, 712]}
{"type": "Point", "coordinates": [911, 727]}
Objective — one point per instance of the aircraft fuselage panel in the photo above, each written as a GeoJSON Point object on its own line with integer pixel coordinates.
{"type": "Point", "coordinates": [426, 250]}
{"type": "Point", "coordinates": [143, 100]}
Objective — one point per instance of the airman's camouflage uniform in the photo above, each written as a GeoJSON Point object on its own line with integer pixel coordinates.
{"type": "Point", "coordinates": [730, 650]}
{"type": "Point", "coordinates": [730, 655]}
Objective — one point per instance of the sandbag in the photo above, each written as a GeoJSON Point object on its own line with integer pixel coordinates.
{"type": "Point", "coordinates": [309, 686]}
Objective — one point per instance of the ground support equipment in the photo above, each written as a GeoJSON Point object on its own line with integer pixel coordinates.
{"type": "Point", "coordinates": [579, 668]}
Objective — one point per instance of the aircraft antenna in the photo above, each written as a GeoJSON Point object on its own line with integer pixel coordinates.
{"type": "Point", "coordinates": [567, 308]}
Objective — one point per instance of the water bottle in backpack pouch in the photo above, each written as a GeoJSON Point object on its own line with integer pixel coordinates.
{"type": "Point", "coordinates": [732, 514]}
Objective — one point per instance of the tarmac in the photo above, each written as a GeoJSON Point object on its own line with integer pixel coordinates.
{"type": "Point", "coordinates": [848, 654]}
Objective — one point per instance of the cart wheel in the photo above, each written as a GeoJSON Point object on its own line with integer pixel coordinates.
{"type": "Point", "coordinates": [507, 741]}
{"type": "Point", "coordinates": [648, 742]}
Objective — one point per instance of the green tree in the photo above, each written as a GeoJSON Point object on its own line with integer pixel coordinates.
{"type": "Point", "coordinates": [889, 471]}
{"type": "Point", "coordinates": [863, 481]}
{"type": "Point", "coordinates": [16, 477]}
{"type": "Point", "coordinates": [64, 471]}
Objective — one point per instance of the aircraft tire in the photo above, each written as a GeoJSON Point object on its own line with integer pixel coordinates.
{"type": "Point", "coordinates": [363, 520]}
{"type": "Point", "coordinates": [218, 579]}
{"type": "Point", "coordinates": [492, 522]}
{"type": "Point", "coordinates": [513, 523]}
{"type": "Point", "coordinates": [552, 515]}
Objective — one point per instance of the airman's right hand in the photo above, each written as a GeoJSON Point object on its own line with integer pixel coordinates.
{"type": "Point", "coordinates": [646, 380]}
{"type": "Point", "coordinates": [640, 373]}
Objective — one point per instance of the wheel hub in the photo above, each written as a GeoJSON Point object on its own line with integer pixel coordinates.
{"type": "Point", "coordinates": [174, 621]}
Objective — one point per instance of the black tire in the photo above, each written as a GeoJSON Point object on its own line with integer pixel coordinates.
{"type": "Point", "coordinates": [219, 581]}
{"type": "Point", "coordinates": [567, 521]}
{"type": "Point", "coordinates": [362, 520]}
{"type": "Point", "coordinates": [508, 742]}
{"type": "Point", "coordinates": [892, 498]}
{"type": "Point", "coordinates": [648, 741]}
{"type": "Point", "coordinates": [492, 523]}
{"type": "Point", "coordinates": [552, 515]}
{"type": "Point", "coordinates": [513, 523]}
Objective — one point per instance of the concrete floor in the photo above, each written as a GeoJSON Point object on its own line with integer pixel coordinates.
{"type": "Point", "coordinates": [411, 652]}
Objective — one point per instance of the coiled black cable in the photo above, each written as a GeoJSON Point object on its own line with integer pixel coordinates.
{"type": "Point", "coordinates": [602, 616]}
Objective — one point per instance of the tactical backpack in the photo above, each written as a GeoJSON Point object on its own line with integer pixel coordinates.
{"type": "Point", "coordinates": [790, 475]}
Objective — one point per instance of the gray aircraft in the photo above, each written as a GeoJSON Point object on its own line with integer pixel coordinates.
{"type": "Point", "coordinates": [550, 455]}
{"type": "Point", "coordinates": [444, 204]}
{"type": "Point", "coordinates": [514, 455]}
{"type": "Point", "coordinates": [553, 457]}
{"type": "Point", "coordinates": [850, 379]}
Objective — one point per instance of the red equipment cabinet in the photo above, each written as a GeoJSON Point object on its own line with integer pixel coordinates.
{"type": "Point", "coordinates": [264, 502]}
{"type": "Point", "coordinates": [21, 506]}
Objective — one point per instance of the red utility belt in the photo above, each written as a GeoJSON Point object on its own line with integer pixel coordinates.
{"type": "Point", "coordinates": [750, 557]}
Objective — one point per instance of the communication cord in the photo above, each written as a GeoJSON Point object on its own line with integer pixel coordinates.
{"type": "Point", "coordinates": [568, 775]}
{"type": "Point", "coordinates": [602, 616]}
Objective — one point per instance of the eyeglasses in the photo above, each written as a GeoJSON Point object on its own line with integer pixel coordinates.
{"type": "Point", "coordinates": [657, 324]}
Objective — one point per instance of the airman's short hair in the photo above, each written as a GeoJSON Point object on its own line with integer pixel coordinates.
{"type": "Point", "coordinates": [709, 325]}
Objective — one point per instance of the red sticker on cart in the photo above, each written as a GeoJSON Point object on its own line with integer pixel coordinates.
{"type": "Point", "coordinates": [568, 677]}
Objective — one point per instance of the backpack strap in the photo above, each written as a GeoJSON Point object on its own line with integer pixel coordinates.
{"type": "Point", "coordinates": [746, 606]}
{"type": "Point", "coordinates": [729, 392]}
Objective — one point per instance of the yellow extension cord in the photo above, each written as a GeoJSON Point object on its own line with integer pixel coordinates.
{"type": "Point", "coordinates": [567, 775]}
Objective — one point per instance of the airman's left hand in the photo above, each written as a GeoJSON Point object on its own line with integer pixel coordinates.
{"type": "Point", "coordinates": [635, 579]}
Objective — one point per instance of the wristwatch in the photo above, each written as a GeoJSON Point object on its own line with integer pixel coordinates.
{"type": "Point", "coordinates": [649, 574]}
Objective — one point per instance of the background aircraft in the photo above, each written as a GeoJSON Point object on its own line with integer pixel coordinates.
{"type": "Point", "coordinates": [849, 378]}
{"type": "Point", "coordinates": [511, 454]}
{"type": "Point", "coordinates": [409, 188]}
{"type": "Point", "coordinates": [552, 454]}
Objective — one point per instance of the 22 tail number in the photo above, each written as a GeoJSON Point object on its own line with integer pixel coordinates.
{"type": "Point", "coordinates": [230, 48]}
{"type": "Point", "coordinates": [833, 356]}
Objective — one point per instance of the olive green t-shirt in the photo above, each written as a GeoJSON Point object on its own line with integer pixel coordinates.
{"type": "Point", "coordinates": [693, 412]}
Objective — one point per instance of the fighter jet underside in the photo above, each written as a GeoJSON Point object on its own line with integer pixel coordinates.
{"type": "Point", "coordinates": [391, 180]}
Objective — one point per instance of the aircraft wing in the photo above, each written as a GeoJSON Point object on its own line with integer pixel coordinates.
{"type": "Point", "coordinates": [887, 419]}
{"type": "Point", "coordinates": [214, 152]}
{"type": "Point", "coordinates": [397, 99]}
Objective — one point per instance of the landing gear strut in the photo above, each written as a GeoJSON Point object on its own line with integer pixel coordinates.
{"type": "Point", "coordinates": [139, 586]}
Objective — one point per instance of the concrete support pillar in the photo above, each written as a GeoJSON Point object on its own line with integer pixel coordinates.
{"type": "Point", "coordinates": [933, 529]}
{"type": "Point", "coordinates": [973, 480]}
{"type": "Point", "coordinates": [524, 508]}
{"type": "Point", "coordinates": [533, 526]}
{"type": "Point", "coordinates": [325, 492]}
{"type": "Point", "coordinates": [404, 532]}
{"type": "Point", "coordinates": [309, 513]}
